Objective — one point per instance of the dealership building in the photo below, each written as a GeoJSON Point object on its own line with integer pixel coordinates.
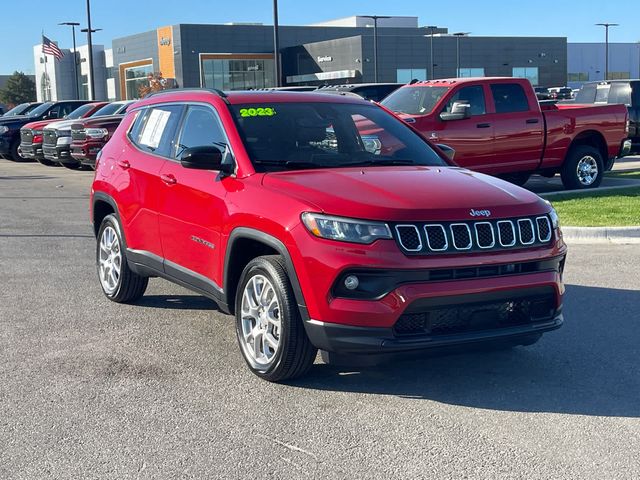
{"type": "Point", "coordinates": [240, 56]}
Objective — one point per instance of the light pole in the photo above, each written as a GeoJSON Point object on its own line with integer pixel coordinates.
{"type": "Point", "coordinates": [431, 29]}
{"type": "Point", "coordinates": [276, 43]}
{"type": "Point", "coordinates": [375, 43]}
{"type": "Point", "coordinates": [458, 35]}
{"type": "Point", "coordinates": [606, 46]}
{"type": "Point", "coordinates": [73, 26]}
{"type": "Point", "coordinates": [89, 31]}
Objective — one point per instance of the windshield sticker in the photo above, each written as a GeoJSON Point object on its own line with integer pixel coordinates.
{"type": "Point", "coordinates": [257, 112]}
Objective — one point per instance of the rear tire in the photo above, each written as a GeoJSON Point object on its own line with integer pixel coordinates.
{"type": "Point", "coordinates": [269, 328]}
{"type": "Point", "coordinates": [583, 168]}
{"type": "Point", "coordinates": [119, 283]}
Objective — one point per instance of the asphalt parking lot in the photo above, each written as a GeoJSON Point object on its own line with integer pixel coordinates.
{"type": "Point", "coordinates": [91, 389]}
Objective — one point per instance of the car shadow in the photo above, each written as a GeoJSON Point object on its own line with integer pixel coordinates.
{"type": "Point", "coordinates": [591, 366]}
{"type": "Point", "coordinates": [178, 302]}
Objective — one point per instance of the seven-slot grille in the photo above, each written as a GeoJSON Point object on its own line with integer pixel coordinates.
{"type": "Point", "coordinates": [49, 138]}
{"type": "Point", "coordinates": [473, 236]}
{"type": "Point", "coordinates": [26, 135]}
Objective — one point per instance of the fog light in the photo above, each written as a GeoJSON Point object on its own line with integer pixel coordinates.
{"type": "Point", "coordinates": [351, 282]}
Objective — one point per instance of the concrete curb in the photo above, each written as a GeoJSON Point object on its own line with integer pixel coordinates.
{"type": "Point", "coordinates": [588, 191]}
{"type": "Point", "coordinates": [622, 235]}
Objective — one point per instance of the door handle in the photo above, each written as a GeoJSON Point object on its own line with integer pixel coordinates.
{"type": "Point", "coordinates": [124, 164]}
{"type": "Point", "coordinates": [532, 120]}
{"type": "Point", "coordinates": [483, 125]}
{"type": "Point", "coordinates": [168, 179]}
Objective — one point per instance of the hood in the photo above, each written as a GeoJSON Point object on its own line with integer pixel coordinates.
{"type": "Point", "coordinates": [61, 125]}
{"type": "Point", "coordinates": [40, 124]}
{"type": "Point", "coordinates": [97, 121]}
{"type": "Point", "coordinates": [14, 119]}
{"type": "Point", "coordinates": [406, 193]}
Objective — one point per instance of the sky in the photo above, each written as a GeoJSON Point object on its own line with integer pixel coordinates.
{"type": "Point", "coordinates": [23, 21]}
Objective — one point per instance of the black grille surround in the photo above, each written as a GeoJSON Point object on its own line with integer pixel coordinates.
{"type": "Point", "coordinates": [428, 238]}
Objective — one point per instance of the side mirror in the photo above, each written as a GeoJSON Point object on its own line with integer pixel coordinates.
{"type": "Point", "coordinates": [50, 116]}
{"type": "Point", "coordinates": [206, 157]}
{"type": "Point", "coordinates": [459, 111]}
{"type": "Point", "coordinates": [447, 150]}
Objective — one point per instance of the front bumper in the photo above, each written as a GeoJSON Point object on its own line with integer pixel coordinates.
{"type": "Point", "coordinates": [32, 150]}
{"type": "Point", "coordinates": [445, 325]}
{"type": "Point", "coordinates": [5, 145]}
{"type": "Point", "coordinates": [60, 154]}
{"type": "Point", "coordinates": [86, 153]}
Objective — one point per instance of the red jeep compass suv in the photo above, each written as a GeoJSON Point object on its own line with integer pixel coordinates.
{"type": "Point", "coordinates": [320, 222]}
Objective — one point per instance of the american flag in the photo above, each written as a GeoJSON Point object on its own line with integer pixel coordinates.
{"type": "Point", "coordinates": [50, 48]}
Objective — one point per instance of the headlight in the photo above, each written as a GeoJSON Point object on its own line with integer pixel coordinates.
{"type": "Point", "coordinates": [553, 215]}
{"type": "Point", "coordinates": [345, 229]}
{"type": "Point", "coordinates": [96, 133]}
{"type": "Point", "coordinates": [3, 130]}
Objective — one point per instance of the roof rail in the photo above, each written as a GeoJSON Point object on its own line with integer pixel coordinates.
{"type": "Point", "coordinates": [215, 91]}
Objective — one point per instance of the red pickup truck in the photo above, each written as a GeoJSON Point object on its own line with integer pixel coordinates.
{"type": "Point", "coordinates": [497, 126]}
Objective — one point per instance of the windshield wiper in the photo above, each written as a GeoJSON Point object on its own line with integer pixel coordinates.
{"type": "Point", "coordinates": [290, 163]}
{"type": "Point", "coordinates": [382, 162]}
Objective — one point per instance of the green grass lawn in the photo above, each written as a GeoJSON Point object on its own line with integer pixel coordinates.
{"type": "Point", "coordinates": [613, 208]}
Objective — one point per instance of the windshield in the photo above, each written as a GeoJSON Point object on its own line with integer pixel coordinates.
{"type": "Point", "coordinates": [17, 110]}
{"type": "Point", "coordinates": [414, 100]}
{"type": "Point", "coordinates": [36, 112]}
{"type": "Point", "coordinates": [287, 136]}
{"type": "Point", "coordinates": [109, 109]}
{"type": "Point", "coordinates": [80, 111]}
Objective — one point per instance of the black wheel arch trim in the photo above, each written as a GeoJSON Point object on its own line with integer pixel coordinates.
{"type": "Point", "coordinates": [239, 233]}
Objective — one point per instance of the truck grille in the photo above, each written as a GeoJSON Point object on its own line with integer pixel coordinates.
{"type": "Point", "coordinates": [26, 136]}
{"type": "Point", "coordinates": [457, 318]}
{"type": "Point", "coordinates": [49, 138]}
{"type": "Point", "coordinates": [79, 135]}
{"type": "Point", "coordinates": [473, 236]}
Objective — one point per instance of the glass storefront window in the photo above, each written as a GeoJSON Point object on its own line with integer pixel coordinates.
{"type": "Point", "coordinates": [237, 74]}
{"type": "Point", "coordinates": [134, 78]}
{"type": "Point", "coordinates": [530, 73]}
{"type": "Point", "coordinates": [470, 72]}
{"type": "Point", "coordinates": [405, 75]}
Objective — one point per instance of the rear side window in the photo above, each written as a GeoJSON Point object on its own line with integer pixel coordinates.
{"type": "Point", "coordinates": [200, 128]}
{"type": "Point", "coordinates": [509, 97]}
{"type": "Point", "coordinates": [602, 93]}
{"type": "Point", "coordinates": [620, 93]}
{"type": "Point", "coordinates": [154, 129]}
{"type": "Point", "coordinates": [474, 96]}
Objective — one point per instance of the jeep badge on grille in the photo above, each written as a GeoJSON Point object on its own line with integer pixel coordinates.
{"type": "Point", "coordinates": [480, 213]}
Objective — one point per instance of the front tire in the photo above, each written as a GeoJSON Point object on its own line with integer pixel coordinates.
{"type": "Point", "coordinates": [15, 153]}
{"type": "Point", "coordinates": [119, 283]}
{"type": "Point", "coordinates": [583, 168]}
{"type": "Point", "coordinates": [269, 328]}
{"type": "Point", "coordinates": [47, 163]}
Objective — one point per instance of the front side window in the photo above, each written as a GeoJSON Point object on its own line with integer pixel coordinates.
{"type": "Point", "coordinates": [154, 130]}
{"type": "Point", "coordinates": [509, 97]}
{"type": "Point", "coordinates": [287, 136]}
{"type": "Point", "coordinates": [414, 100]}
{"type": "Point", "coordinates": [200, 128]}
{"type": "Point", "coordinates": [474, 96]}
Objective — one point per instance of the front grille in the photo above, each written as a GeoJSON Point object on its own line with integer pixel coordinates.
{"type": "Point", "coordinates": [26, 136]}
{"type": "Point", "coordinates": [49, 138]}
{"type": "Point", "coordinates": [79, 135]}
{"type": "Point", "coordinates": [456, 318]}
{"type": "Point", "coordinates": [473, 236]}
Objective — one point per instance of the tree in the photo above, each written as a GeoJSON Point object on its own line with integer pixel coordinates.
{"type": "Point", "coordinates": [155, 83]}
{"type": "Point", "coordinates": [19, 89]}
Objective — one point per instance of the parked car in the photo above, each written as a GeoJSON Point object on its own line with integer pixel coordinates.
{"type": "Point", "coordinates": [57, 137]}
{"type": "Point", "coordinates": [10, 126]}
{"type": "Point", "coordinates": [32, 134]}
{"type": "Point", "coordinates": [369, 91]}
{"type": "Point", "coordinates": [22, 109]}
{"type": "Point", "coordinates": [626, 92]}
{"type": "Point", "coordinates": [542, 93]}
{"type": "Point", "coordinates": [497, 126]}
{"type": "Point", "coordinates": [271, 204]}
